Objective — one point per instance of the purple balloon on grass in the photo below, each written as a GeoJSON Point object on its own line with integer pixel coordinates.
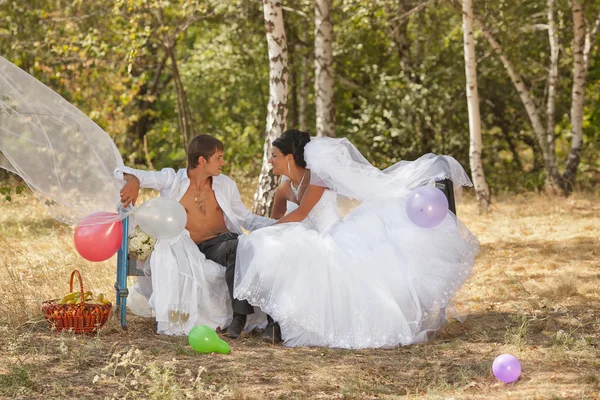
{"type": "Point", "coordinates": [506, 368]}
{"type": "Point", "coordinates": [427, 206]}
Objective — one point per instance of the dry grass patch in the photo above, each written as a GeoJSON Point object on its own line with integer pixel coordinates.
{"type": "Point", "coordinates": [534, 293]}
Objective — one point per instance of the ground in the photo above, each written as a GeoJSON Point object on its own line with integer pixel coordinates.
{"type": "Point", "coordinates": [534, 293]}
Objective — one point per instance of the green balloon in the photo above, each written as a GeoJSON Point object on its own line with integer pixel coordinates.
{"type": "Point", "coordinates": [204, 339]}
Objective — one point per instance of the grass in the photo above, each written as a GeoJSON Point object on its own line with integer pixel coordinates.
{"type": "Point", "coordinates": [534, 293]}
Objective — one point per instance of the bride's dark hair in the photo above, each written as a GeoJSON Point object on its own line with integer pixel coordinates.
{"type": "Point", "coordinates": [292, 142]}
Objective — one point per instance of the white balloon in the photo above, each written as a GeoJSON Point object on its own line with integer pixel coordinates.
{"type": "Point", "coordinates": [161, 217]}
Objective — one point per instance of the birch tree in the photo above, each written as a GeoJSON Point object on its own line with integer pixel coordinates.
{"type": "Point", "coordinates": [324, 102]}
{"type": "Point", "coordinates": [304, 86]}
{"type": "Point", "coordinates": [551, 100]}
{"type": "Point", "coordinates": [277, 107]}
{"type": "Point", "coordinates": [475, 148]}
{"type": "Point", "coordinates": [577, 95]}
{"type": "Point", "coordinates": [545, 134]}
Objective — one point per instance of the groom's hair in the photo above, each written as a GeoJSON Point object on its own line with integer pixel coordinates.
{"type": "Point", "coordinates": [202, 146]}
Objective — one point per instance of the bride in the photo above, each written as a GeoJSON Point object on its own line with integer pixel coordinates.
{"type": "Point", "coordinates": [372, 279]}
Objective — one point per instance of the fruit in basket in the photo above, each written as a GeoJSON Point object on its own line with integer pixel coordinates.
{"type": "Point", "coordinates": [88, 297]}
{"type": "Point", "coordinates": [102, 298]}
{"type": "Point", "coordinates": [69, 297]}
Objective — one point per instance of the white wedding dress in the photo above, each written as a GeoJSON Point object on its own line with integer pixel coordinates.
{"type": "Point", "coordinates": [371, 280]}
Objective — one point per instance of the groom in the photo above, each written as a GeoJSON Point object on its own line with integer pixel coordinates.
{"type": "Point", "coordinates": [215, 212]}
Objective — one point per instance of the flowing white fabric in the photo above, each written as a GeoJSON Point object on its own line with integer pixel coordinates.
{"type": "Point", "coordinates": [140, 290]}
{"type": "Point", "coordinates": [186, 284]}
{"type": "Point", "coordinates": [186, 290]}
{"type": "Point", "coordinates": [63, 156]}
{"type": "Point", "coordinates": [338, 165]}
{"type": "Point", "coordinates": [371, 280]}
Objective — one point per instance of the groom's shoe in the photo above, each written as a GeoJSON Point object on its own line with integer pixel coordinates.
{"type": "Point", "coordinates": [237, 326]}
{"type": "Point", "coordinates": [272, 333]}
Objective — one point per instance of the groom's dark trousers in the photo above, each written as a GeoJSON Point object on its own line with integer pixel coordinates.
{"type": "Point", "coordinates": [222, 250]}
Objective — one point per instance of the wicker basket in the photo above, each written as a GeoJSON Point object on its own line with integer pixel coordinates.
{"type": "Point", "coordinates": [78, 318]}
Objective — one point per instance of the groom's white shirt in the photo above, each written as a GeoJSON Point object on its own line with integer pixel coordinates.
{"type": "Point", "coordinates": [174, 184]}
{"type": "Point", "coordinates": [182, 277]}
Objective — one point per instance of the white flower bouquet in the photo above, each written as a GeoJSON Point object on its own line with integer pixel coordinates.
{"type": "Point", "coordinates": [140, 244]}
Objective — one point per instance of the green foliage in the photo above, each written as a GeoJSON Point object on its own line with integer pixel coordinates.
{"type": "Point", "coordinates": [399, 76]}
{"type": "Point", "coordinates": [8, 188]}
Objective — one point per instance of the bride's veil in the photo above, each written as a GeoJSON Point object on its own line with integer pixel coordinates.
{"type": "Point", "coordinates": [338, 165]}
{"type": "Point", "coordinates": [63, 156]}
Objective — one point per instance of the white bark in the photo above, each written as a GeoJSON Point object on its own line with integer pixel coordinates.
{"type": "Point", "coordinates": [590, 38]}
{"type": "Point", "coordinates": [583, 39]}
{"type": "Point", "coordinates": [475, 149]}
{"type": "Point", "coordinates": [277, 108]}
{"type": "Point", "coordinates": [325, 107]}
{"type": "Point", "coordinates": [551, 101]}
{"type": "Point", "coordinates": [577, 95]}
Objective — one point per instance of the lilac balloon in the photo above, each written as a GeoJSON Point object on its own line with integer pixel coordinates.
{"type": "Point", "coordinates": [506, 368]}
{"type": "Point", "coordinates": [427, 206]}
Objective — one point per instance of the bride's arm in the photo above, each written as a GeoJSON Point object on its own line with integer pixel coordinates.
{"type": "Point", "coordinates": [309, 200]}
{"type": "Point", "coordinates": [279, 204]}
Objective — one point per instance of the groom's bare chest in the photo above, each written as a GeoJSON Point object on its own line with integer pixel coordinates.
{"type": "Point", "coordinates": [204, 214]}
{"type": "Point", "coordinates": [203, 201]}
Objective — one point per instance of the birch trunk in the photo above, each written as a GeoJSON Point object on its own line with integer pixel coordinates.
{"type": "Point", "coordinates": [577, 97]}
{"type": "Point", "coordinates": [551, 101]}
{"type": "Point", "coordinates": [325, 107]}
{"type": "Point", "coordinates": [481, 188]}
{"type": "Point", "coordinates": [590, 38]}
{"type": "Point", "coordinates": [277, 107]}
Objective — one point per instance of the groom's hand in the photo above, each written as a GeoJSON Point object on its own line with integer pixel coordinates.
{"type": "Point", "coordinates": [129, 192]}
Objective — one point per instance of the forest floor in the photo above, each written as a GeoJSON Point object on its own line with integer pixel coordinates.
{"type": "Point", "coordinates": [534, 293]}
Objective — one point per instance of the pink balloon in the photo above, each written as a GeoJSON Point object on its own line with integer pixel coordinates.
{"type": "Point", "coordinates": [97, 240]}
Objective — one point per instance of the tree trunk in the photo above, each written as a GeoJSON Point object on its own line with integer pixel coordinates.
{"type": "Point", "coordinates": [277, 108]}
{"type": "Point", "coordinates": [293, 84]}
{"type": "Point", "coordinates": [590, 39]}
{"type": "Point", "coordinates": [186, 123]}
{"type": "Point", "coordinates": [325, 106]}
{"type": "Point", "coordinates": [292, 46]}
{"type": "Point", "coordinates": [577, 97]}
{"type": "Point", "coordinates": [481, 188]}
{"type": "Point", "coordinates": [303, 86]}
{"type": "Point", "coordinates": [551, 102]}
